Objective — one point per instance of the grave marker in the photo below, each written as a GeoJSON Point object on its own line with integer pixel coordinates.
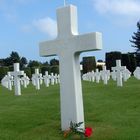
{"type": "Point", "coordinates": [16, 75]}
{"type": "Point", "coordinates": [119, 71]}
{"type": "Point", "coordinates": [68, 45]}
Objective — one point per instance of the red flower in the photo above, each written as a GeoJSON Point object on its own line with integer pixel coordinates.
{"type": "Point", "coordinates": [88, 132]}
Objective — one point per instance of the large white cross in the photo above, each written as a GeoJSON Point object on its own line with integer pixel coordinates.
{"type": "Point", "coordinates": [16, 74]}
{"type": "Point", "coordinates": [119, 71]}
{"type": "Point", "coordinates": [68, 45]}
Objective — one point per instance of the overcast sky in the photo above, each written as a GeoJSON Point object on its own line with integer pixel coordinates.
{"type": "Point", "coordinates": [24, 23]}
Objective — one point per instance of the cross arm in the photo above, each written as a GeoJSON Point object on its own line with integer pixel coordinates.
{"type": "Point", "coordinates": [88, 42]}
{"type": "Point", "coordinates": [17, 73]}
{"type": "Point", "coordinates": [49, 48]}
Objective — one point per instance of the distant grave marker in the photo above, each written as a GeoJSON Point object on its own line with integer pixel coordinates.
{"type": "Point", "coordinates": [137, 73]}
{"type": "Point", "coordinates": [119, 71]}
{"type": "Point", "coordinates": [16, 77]}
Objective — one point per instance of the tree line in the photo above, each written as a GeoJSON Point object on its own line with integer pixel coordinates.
{"type": "Point", "coordinates": [28, 67]}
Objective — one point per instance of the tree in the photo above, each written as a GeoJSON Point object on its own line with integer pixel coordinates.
{"type": "Point", "coordinates": [44, 69]}
{"type": "Point", "coordinates": [3, 72]}
{"type": "Point", "coordinates": [111, 58]}
{"type": "Point", "coordinates": [129, 61]}
{"type": "Point", "coordinates": [27, 70]}
{"type": "Point", "coordinates": [23, 62]}
{"type": "Point", "coordinates": [33, 63]}
{"type": "Point", "coordinates": [54, 62]}
{"type": "Point", "coordinates": [14, 58]}
{"type": "Point", "coordinates": [136, 39]}
{"type": "Point", "coordinates": [54, 69]}
{"type": "Point", "coordinates": [45, 63]}
{"type": "Point", "coordinates": [89, 64]}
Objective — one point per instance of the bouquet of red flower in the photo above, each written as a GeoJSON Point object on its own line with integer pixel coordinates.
{"type": "Point", "coordinates": [75, 129]}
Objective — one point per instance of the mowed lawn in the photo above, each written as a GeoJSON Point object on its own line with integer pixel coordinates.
{"type": "Point", "coordinates": [113, 112]}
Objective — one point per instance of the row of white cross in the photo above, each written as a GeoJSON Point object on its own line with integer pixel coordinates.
{"type": "Point", "coordinates": [37, 79]}
{"type": "Point", "coordinates": [119, 74]}
{"type": "Point", "coordinates": [18, 78]}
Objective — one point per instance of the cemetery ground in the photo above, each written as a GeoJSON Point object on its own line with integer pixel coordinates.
{"type": "Point", "coordinates": [113, 112]}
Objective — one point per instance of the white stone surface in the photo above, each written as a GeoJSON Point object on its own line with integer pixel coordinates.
{"type": "Point", "coordinates": [137, 73]}
{"type": "Point", "coordinates": [25, 80]}
{"type": "Point", "coordinates": [126, 74]}
{"type": "Point", "coordinates": [52, 78]}
{"type": "Point", "coordinates": [41, 79]}
{"type": "Point", "coordinates": [7, 81]}
{"type": "Point", "coordinates": [105, 75]}
{"type": "Point", "coordinates": [4, 81]}
{"type": "Point", "coordinates": [119, 71]}
{"type": "Point", "coordinates": [68, 45]}
{"type": "Point", "coordinates": [16, 75]}
{"type": "Point", "coordinates": [36, 79]}
{"type": "Point", "coordinates": [92, 76]}
{"type": "Point", "coordinates": [46, 79]}
{"type": "Point", "coordinates": [97, 76]}
{"type": "Point", "coordinates": [114, 75]}
{"type": "Point", "coordinates": [56, 79]}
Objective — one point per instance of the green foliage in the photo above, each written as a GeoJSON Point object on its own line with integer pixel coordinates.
{"type": "Point", "coordinates": [3, 72]}
{"type": "Point", "coordinates": [14, 58]}
{"type": "Point", "coordinates": [45, 68]}
{"type": "Point", "coordinates": [136, 38]}
{"type": "Point", "coordinates": [89, 64]}
{"type": "Point", "coordinates": [54, 62]}
{"type": "Point", "coordinates": [23, 62]}
{"type": "Point", "coordinates": [33, 69]}
{"type": "Point", "coordinates": [111, 58]}
{"type": "Point", "coordinates": [54, 69]}
{"type": "Point", "coordinates": [31, 66]}
{"type": "Point", "coordinates": [129, 61]}
{"type": "Point", "coordinates": [138, 59]}
{"type": "Point", "coordinates": [100, 67]}
{"type": "Point", "coordinates": [34, 63]}
{"type": "Point", "coordinates": [28, 72]}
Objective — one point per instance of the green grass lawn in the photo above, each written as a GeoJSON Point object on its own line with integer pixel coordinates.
{"type": "Point", "coordinates": [113, 112]}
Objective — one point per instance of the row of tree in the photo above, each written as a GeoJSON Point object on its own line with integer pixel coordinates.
{"type": "Point", "coordinates": [130, 60]}
{"type": "Point", "coordinates": [6, 65]}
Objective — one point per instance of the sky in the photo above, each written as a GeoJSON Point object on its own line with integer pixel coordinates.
{"type": "Point", "coordinates": [25, 23]}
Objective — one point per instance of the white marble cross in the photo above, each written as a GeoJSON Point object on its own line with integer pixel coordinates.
{"type": "Point", "coordinates": [36, 79]}
{"type": "Point", "coordinates": [119, 71]}
{"type": "Point", "coordinates": [4, 82]}
{"type": "Point", "coordinates": [97, 76]}
{"type": "Point", "coordinates": [126, 74]}
{"type": "Point", "coordinates": [25, 80]}
{"type": "Point", "coordinates": [113, 75]}
{"type": "Point", "coordinates": [7, 81]}
{"type": "Point", "coordinates": [16, 75]}
{"type": "Point", "coordinates": [52, 78]}
{"type": "Point", "coordinates": [137, 73]}
{"type": "Point", "coordinates": [105, 74]}
{"type": "Point", "coordinates": [68, 45]}
{"type": "Point", "coordinates": [10, 79]}
{"type": "Point", "coordinates": [56, 79]}
{"type": "Point", "coordinates": [46, 79]}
